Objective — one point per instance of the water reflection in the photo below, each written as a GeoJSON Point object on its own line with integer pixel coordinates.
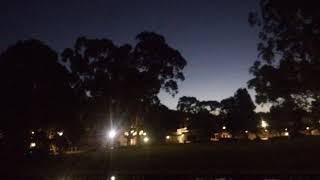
{"type": "Point", "coordinates": [180, 177]}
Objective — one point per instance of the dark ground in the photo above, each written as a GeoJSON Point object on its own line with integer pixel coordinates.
{"type": "Point", "coordinates": [295, 157]}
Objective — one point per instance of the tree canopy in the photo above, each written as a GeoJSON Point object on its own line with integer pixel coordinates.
{"type": "Point", "coordinates": [127, 77]}
{"type": "Point", "coordinates": [35, 90]}
{"type": "Point", "coordinates": [289, 60]}
{"type": "Point", "coordinates": [236, 112]}
{"type": "Point", "coordinates": [288, 50]}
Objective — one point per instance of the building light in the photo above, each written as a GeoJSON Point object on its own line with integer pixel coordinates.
{"type": "Point", "coordinates": [32, 132]}
{"type": "Point", "coordinates": [168, 137]}
{"type": "Point", "coordinates": [286, 133]}
{"type": "Point", "coordinates": [223, 127]}
{"type": "Point", "coordinates": [307, 128]}
{"type": "Point", "coordinates": [286, 129]}
{"type": "Point", "coordinates": [266, 130]}
{"type": "Point", "coordinates": [144, 133]}
{"type": "Point", "coordinates": [141, 132]}
{"type": "Point", "coordinates": [145, 139]}
{"type": "Point", "coordinates": [112, 178]}
{"type": "Point", "coordinates": [32, 144]}
{"type": "Point", "coordinates": [246, 131]}
{"type": "Point", "coordinates": [134, 133]}
{"type": "Point", "coordinates": [182, 130]}
{"type": "Point", "coordinates": [126, 133]}
{"type": "Point", "coordinates": [60, 133]}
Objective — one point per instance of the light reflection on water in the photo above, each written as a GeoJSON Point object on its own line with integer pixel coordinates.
{"type": "Point", "coordinates": [188, 178]}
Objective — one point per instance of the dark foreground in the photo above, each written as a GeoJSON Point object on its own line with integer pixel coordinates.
{"type": "Point", "coordinates": [281, 159]}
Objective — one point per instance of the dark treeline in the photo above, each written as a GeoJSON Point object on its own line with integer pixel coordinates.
{"type": "Point", "coordinates": [287, 71]}
{"type": "Point", "coordinates": [93, 84]}
{"type": "Point", "coordinates": [97, 84]}
{"type": "Point", "coordinates": [235, 113]}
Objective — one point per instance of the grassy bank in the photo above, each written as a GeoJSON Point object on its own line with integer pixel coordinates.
{"type": "Point", "coordinates": [295, 156]}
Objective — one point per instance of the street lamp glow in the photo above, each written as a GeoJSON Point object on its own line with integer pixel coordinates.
{"type": "Point", "coordinates": [32, 132]}
{"type": "Point", "coordinates": [307, 128]}
{"type": "Point", "coordinates": [167, 137]}
{"type": "Point", "coordinates": [32, 145]}
{"type": "Point", "coordinates": [144, 133]}
{"type": "Point", "coordinates": [112, 133]}
{"type": "Point", "coordinates": [246, 131]}
{"type": "Point", "coordinates": [264, 124]}
{"type": "Point", "coordinates": [223, 127]}
{"type": "Point", "coordinates": [145, 139]}
{"type": "Point", "coordinates": [112, 178]}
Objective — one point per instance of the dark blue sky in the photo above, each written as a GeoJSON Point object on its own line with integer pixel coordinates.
{"type": "Point", "coordinates": [213, 35]}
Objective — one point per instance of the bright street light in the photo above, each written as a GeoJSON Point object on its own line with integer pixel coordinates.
{"type": "Point", "coordinates": [264, 124]}
{"type": "Point", "coordinates": [167, 137]}
{"type": "Point", "coordinates": [223, 127]}
{"type": "Point", "coordinates": [112, 178]}
{"type": "Point", "coordinates": [112, 133]}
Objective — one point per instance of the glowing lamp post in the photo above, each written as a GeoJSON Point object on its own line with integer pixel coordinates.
{"type": "Point", "coordinates": [145, 139]}
{"type": "Point", "coordinates": [264, 124]}
{"type": "Point", "coordinates": [111, 134]}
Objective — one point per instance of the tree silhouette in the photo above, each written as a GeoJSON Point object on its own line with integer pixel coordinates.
{"type": "Point", "coordinates": [188, 105]}
{"type": "Point", "coordinates": [127, 78]}
{"type": "Point", "coordinates": [203, 116]}
{"type": "Point", "coordinates": [287, 115]}
{"type": "Point", "coordinates": [288, 53]}
{"type": "Point", "coordinates": [238, 112]}
{"type": "Point", "coordinates": [35, 91]}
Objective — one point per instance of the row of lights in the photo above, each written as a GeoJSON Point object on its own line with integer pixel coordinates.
{"type": "Point", "coordinates": [60, 133]}
{"type": "Point", "coordinates": [33, 144]}
{"type": "Point", "coordinates": [134, 133]}
{"type": "Point", "coordinates": [112, 134]}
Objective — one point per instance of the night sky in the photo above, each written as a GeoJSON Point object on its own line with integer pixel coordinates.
{"type": "Point", "coordinates": [214, 36]}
